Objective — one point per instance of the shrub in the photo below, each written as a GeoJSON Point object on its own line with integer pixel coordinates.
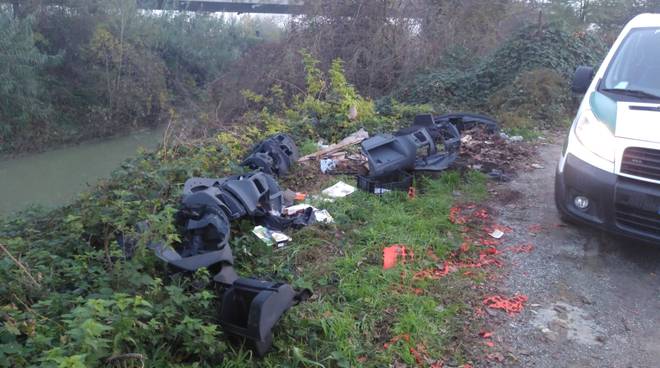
{"type": "Point", "coordinates": [533, 47]}
{"type": "Point", "coordinates": [540, 96]}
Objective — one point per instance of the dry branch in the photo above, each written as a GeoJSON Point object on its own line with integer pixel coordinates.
{"type": "Point", "coordinates": [20, 265]}
{"type": "Point", "coordinates": [352, 139]}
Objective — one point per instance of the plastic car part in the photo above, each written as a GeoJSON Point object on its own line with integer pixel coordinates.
{"type": "Point", "coordinates": [254, 194]}
{"type": "Point", "coordinates": [251, 308]}
{"type": "Point", "coordinates": [466, 121]}
{"type": "Point", "coordinates": [413, 148]}
{"type": "Point", "coordinates": [273, 155]}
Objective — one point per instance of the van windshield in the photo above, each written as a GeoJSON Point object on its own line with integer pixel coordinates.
{"type": "Point", "coordinates": [635, 69]}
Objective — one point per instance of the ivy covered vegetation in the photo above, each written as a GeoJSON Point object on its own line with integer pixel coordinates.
{"type": "Point", "coordinates": [525, 81]}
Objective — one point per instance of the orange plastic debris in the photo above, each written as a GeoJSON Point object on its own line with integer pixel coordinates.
{"type": "Point", "coordinates": [510, 305]}
{"type": "Point", "coordinates": [490, 344]}
{"type": "Point", "coordinates": [435, 273]}
{"type": "Point", "coordinates": [485, 334]}
{"type": "Point", "coordinates": [417, 355]}
{"type": "Point", "coordinates": [481, 214]}
{"type": "Point", "coordinates": [455, 216]}
{"type": "Point", "coordinates": [300, 196]}
{"type": "Point", "coordinates": [489, 242]}
{"type": "Point", "coordinates": [404, 337]}
{"type": "Point", "coordinates": [392, 253]}
{"type": "Point", "coordinates": [525, 248]}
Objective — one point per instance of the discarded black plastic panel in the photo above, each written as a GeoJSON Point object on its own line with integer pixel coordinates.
{"type": "Point", "coordinates": [464, 121]}
{"type": "Point", "coordinates": [251, 308]}
{"type": "Point", "coordinates": [413, 148]}
{"type": "Point", "coordinates": [273, 155]}
{"type": "Point", "coordinates": [387, 154]}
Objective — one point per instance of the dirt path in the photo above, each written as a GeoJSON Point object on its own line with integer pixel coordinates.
{"type": "Point", "coordinates": [594, 300]}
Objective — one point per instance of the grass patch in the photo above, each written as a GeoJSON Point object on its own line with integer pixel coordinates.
{"type": "Point", "coordinates": [358, 307]}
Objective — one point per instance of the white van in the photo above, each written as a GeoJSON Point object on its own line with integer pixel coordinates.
{"type": "Point", "coordinates": [609, 172]}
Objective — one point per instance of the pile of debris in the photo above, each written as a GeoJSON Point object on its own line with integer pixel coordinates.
{"type": "Point", "coordinates": [496, 155]}
{"type": "Point", "coordinates": [250, 308]}
{"type": "Point", "coordinates": [387, 162]}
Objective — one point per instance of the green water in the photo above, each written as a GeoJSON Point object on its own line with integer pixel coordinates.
{"type": "Point", "coordinates": [54, 177]}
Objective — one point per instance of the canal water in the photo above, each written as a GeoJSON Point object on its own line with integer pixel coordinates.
{"type": "Point", "coordinates": [55, 177]}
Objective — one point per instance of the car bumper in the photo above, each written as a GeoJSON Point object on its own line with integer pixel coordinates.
{"type": "Point", "coordinates": [617, 204]}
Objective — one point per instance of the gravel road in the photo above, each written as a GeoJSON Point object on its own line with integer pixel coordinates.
{"type": "Point", "coordinates": [594, 300]}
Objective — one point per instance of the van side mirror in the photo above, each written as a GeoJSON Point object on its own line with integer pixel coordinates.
{"type": "Point", "coordinates": [582, 79]}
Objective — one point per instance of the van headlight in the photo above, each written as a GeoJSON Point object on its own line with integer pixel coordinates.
{"type": "Point", "coordinates": [595, 135]}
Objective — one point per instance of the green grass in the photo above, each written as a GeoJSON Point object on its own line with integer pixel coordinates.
{"type": "Point", "coordinates": [357, 305]}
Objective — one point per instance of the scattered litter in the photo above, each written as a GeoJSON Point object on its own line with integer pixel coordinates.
{"type": "Point", "coordinates": [270, 237]}
{"type": "Point", "coordinates": [490, 344]}
{"type": "Point", "coordinates": [381, 190]}
{"type": "Point", "coordinates": [320, 216]}
{"type": "Point", "coordinates": [512, 305]}
{"type": "Point", "coordinates": [300, 196]}
{"type": "Point", "coordinates": [485, 334]}
{"type": "Point", "coordinates": [412, 193]}
{"type": "Point", "coordinates": [323, 217]}
{"type": "Point", "coordinates": [537, 166]}
{"type": "Point", "coordinates": [516, 138]}
{"type": "Point", "coordinates": [339, 190]}
{"type": "Point", "coordinates": [327, 165]}
{"type": "Point", "coordinates": [496, 155]}
{"type": "Point", "coordinates": [466, 138]}
{"type": "Point", "coordinates": [351, 140]}
{"type": "Point", "coordinates": [497, 234]}
{"type": "Point", "coordinates": [392, 253]}
{"type": "Point", "coordinates": [395, 339]}
{"type": "Point", "coordinates": [292, 210]}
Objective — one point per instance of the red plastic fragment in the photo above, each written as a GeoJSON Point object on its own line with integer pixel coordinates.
{"type": "Point", "coordinates": [485, 334]}
{"type": "Point", "coordinates": [481, 214]}
{"type": "Point", "coordinates": [455, 216]}
{"type": "Point", "coordinates": [489, 242]}
{"type": "Point", "coordinates": [404, 337]}
{"type": "Point", "coordinates": [510, 305]}
{"type": "Point", "coordinates": [392, 253]}
{"type": "Point", "coordinates": [417, 355]}
{"type": "Point", "coordinates": [525, 248]}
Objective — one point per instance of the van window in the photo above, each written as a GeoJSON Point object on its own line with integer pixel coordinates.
{"type": "Point", "coordinates": [636, 64]}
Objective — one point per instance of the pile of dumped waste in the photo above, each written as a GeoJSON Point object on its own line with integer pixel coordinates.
{"type": "Point", "coordinates": [385, 162]}
{"type": "Point", "coordinates": [497, 155]}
